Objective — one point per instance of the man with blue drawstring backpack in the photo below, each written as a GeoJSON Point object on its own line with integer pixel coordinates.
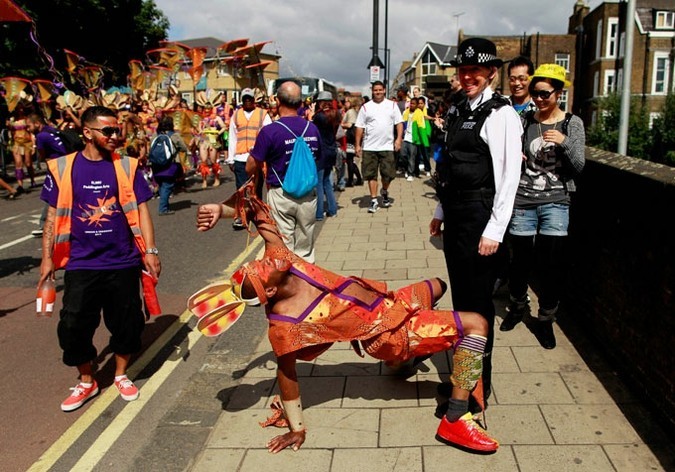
{"type": "Point", "coordinates": [294, 212]}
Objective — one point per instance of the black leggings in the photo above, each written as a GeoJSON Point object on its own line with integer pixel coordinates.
{"type": "Point", "coordinates": [352, 170]}
{"type": "Point", "coordinates": [540, 256]}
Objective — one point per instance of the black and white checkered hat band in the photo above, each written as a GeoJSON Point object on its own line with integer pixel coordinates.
{"type": "Point", "coordinates": [481, 59]}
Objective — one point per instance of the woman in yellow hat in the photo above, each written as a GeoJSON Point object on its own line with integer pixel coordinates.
{"type": "Point", "coordinates": [553, 150]}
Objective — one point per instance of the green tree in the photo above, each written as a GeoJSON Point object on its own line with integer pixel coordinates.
{"type": "Point", "coordinates": [664, 133]}
{"type": "Point", "coordinates": [104, 32]}
{"type": "Point", "coordinates": [605, 133]}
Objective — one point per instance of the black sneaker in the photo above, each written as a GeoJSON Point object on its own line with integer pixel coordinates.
{"type": "Point", "coordinates": [373, 206]}
{"type": "Point", "coordinates": [386, 203]}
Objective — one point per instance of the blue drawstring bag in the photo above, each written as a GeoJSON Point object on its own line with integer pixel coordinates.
{"type": "Point", "coordinates": [301, 176]}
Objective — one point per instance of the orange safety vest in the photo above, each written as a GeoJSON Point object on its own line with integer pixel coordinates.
{"type": "Point", "coordinates": [61, 169]}
{"type": "Point", "coordinates": [247, 130]}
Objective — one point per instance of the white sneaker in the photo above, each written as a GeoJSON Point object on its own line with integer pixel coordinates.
{"type": "Point", "coordinates": [410, 178]}
{"type": "Point", "coordinates": [428, 174]}
{"type": "Point", "coordinates": [373, 206]}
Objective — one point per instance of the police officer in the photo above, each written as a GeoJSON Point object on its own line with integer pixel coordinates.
{"type": "Point", "coordinates": [477, 180]}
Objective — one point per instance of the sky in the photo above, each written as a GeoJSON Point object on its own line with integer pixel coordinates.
{"type": "Point", "coordinates": [332, 39]}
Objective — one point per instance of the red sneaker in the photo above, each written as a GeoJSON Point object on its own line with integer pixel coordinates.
{"type": "Point", "coordinates": [127, 389]}
{"type": "Point", "coordinates": [79, 396]}
{"type": "Point", "coordinates": [466, 433]}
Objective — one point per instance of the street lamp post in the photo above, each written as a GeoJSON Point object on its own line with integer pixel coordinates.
{"type": "Point", "coordinates": [456, 15]}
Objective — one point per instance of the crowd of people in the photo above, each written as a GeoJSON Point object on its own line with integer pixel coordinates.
{"type": "Point", "coordinates": [503, 168]}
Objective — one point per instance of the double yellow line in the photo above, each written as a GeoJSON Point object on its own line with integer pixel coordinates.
{"type": "Point", "coordinates": [98, 449]}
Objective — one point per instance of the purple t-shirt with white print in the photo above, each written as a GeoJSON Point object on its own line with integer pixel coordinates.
{"type": "Point", "coordinates": [274, 145]}
{"type": "Point", "coordinates": [100, 235]}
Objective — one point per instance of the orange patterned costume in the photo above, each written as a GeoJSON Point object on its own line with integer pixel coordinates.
{"type": "Point", "coordinates": [391, 325]}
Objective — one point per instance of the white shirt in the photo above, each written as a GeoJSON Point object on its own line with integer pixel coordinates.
{"type": "Point", "coordinates": [502, 131]}
{"type": "Point", "coordinates": [378, 121]}
{"type": "Point", "coordinates": [232, 137]}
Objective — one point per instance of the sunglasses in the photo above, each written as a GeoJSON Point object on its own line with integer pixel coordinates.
{"type": "Point", "coordinates": [543, 94]}
{"type": "Point", "coordinates": [109, 131]}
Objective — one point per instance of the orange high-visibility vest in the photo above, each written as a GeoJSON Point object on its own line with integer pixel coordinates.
{"type": "Point", "coordinates": [62, 169]}
{"type": "Point", "coordinates": [247, 130]}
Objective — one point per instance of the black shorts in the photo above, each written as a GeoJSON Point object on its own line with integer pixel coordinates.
{"type": "Point", "coordinates": [87, 293]}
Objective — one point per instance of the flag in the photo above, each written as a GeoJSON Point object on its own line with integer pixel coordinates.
{"type": "Point", "coordinates": [46, 89]}
{"type": "Point", "coordinates": [72, 60]}
{"type": "Point", "coordinates": [13, 87]}
{"type": "Point", "coordinates": [91, 77]}
{"type": "Point", "coordinates": [10, 11]}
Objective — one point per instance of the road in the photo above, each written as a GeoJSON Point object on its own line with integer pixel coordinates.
{"type": "Point", "coordinates": [108, 432]}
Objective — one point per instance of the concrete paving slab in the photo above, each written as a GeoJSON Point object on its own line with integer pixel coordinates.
{"type": "Point", "coordinates": [217, 460]}
{"type": "Point", "coordinates": [390, 275]}
{"type": "Point", "coordinates": [406, 245]}
{"type": "Point", "coordinates": [252, 392]}
{"type": "Point", "coordinates": [386, 254]}
{"type": "Point", "coordinates": [349, 266]}
{"type": "Point", "coordinates": [342, 428]}
{"type": "Point", "coordinates": [530, 389]}
{"type": "Point", "coordinates": [562, 459]}
{"type": "Point", "coordinates": [633, 457]}
{"type": "Point", "coordinates": [538, 359]}
{"type": "Point", "coordinates": [445, 458]}
{"type": "Point", "coordinates": [503, 360]}
{"type": "Point", "coordinates": [321, 392]}
{"type": "Point", "coordinates": [516, 424]}
{"type": "Point", "coordinates": [379, 392]}
{"type": "Point", "coordinates": [395, 430]}
{"type": "Point", "coordinates": [407, 459]}
{"type": "Point", "coordinates": [597, 424]}
{"type": "Point", "coordinates": [304, 460]}
{"type": "Point", "coordinates": [586, 388]}
{"type": "Point", "coordinates": [335, 363]}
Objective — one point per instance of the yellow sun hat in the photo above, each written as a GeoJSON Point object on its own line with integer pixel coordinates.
{"type": "Point", "coordinates": [552, 71]}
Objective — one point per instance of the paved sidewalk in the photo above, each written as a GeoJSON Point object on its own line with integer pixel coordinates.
{"type": "Point", "coordinates": [550, 410]}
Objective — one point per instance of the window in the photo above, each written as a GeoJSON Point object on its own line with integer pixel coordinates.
{"type": "Point", "coordinates": [612, 37]}
{"type": "Point", "coordinates": [622, 45]}
{"type": "Point", "coordinates": [610, 82]}
{"type": "Point", "coordinates": [596, 83]}
{"type": "Point", "coordinates": [563, 60]}
{"type": "Point", "coordinates": [598, 40]}
{"type": "Point", "coordinates": [619, 80]}
{"type": "Point", "coordinates": [652, 117]}
{"type": "Point", "coordinates": [223, 70]}
{"type": "Point", "coordinates": [660, 73]}
{"type": "Point", "coordinates": [428, 64]}
{"type": "Point", "coordinates": [665, 20]}
{"type": "Point", "coordinates": [563, 100]}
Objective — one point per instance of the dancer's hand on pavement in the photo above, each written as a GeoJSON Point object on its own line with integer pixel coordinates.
{"type": "Point", "coordinates": [295, 439]}
{"type": "Point", "coordinates": [208, 215]}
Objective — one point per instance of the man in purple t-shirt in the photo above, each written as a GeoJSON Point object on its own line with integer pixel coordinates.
{"type": "Point", "coordinates": [47, 141]}
{"type": "Point", "coordinates": [49, 145]}
{"type": "Point", "coordinates": [103, 271]}
{"type": "Point", "coordinates": [295, 217]}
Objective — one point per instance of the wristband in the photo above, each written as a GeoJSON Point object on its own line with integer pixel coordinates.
{"type": "Point", "coordinates": [293, 412]}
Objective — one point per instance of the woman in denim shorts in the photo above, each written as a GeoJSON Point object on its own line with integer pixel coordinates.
{"type": "Point", "coordinates": [553, 153]}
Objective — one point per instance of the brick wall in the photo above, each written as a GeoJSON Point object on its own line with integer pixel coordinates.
{"type": "Point", "coordinates": [622, 274]}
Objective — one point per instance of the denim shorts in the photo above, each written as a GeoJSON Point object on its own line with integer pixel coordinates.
{"type": "Point", "coordinates": [551, 219]}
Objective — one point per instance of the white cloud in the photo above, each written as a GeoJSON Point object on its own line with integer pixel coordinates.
{"type": "Point", "coordinates": [332, 39]}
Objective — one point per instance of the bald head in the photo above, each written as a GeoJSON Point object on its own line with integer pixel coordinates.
{"type": "Point", "coordinates": [289, 95]}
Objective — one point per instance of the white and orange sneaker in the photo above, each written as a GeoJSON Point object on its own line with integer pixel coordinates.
{"type": "Point", "coordinates": [128, 391]}
{"type": "Point", "coordinates": [81, 393]}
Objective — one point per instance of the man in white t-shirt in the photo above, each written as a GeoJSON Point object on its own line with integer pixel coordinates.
{"type": "Point", "coordinates": [375, 142]}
